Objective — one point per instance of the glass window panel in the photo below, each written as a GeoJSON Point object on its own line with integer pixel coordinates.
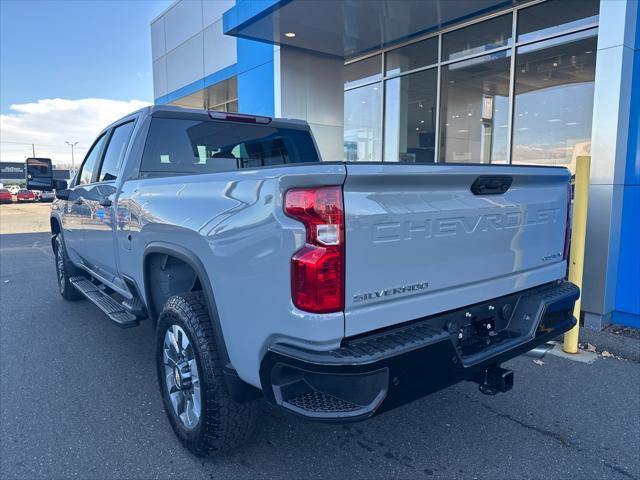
{"type": "Point", "coordinates": [179, 146]}
{"type": "Point", "coordinates": [364, 71]}
{"type": "Point", "coordinates": [114, 154]}
{"type": "Point", "coordinates": [233, 88]}
{"type": "Point", "coordinates": [475, 110]}
{"type": "Point", "coordinates": [554, 101]}
{"type": "Point", "coordinates": [363, 123]}
{"type": "Point", "coordinates": [410, 117]}
{"type": "Point", "coordinates": [555, 16]}
{"type": "Point", "coordinates": [477, 38]}
{"type": "Point", "coordinates": [90, 162]}
{"type": "Point", "coordinates": [412, 56]}
{"type": "Point", "coordinates": [218, 94]}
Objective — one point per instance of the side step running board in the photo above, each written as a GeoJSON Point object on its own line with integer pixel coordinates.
{"type": "Point", "coordinates": [114, 310]}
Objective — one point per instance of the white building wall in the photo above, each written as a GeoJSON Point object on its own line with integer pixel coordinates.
{"type": "Point", "coordinates": [310, 87]}
{"type": "Point", "coordinates": [187, 44]}
{"type": "Point", "coordinates": [219, 49]}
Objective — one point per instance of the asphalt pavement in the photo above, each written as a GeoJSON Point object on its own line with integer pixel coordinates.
{"type": "Point", "coordinates": [79, 399]}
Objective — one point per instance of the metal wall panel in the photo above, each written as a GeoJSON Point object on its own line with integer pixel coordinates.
{"type": "Point", "coordinates": [329, 140]}
{"type": "Point", "coordinates": [160, 77]}
{"type": "Point", "coordinates": [602, 249]}
{"type": "Point", "coordinates": [618, 23]}
{"type": "Point", "coordinates": [612, 115]}
{"type": "Point", "coordinates": [185, 63]}
{"type": "Point", "coordinates": [212, 10]}
{"type": "Point", "coordinates": [311, 88]}
{"type": "Point", "coordinates": [219, 49]}
{"type": "Point", "coordinates": [157, 39]}
{"type": "Point", "coordinates": [182, 21]}
{"type": "Point", "coordinates": [627, 300]}
{"type": "Point", "coordinates": [256, 90]}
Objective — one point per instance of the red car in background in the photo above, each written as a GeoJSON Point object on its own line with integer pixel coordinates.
{"type": "Point", "coordinates": [5, 196]}
{"type": "Point", "coordinates": [25, 195]}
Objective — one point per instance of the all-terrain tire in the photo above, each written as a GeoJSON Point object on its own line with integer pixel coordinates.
{"type": "Point", "coordinates": [64, 271]}
{"type": "Point", "coordinates": [223, 423]}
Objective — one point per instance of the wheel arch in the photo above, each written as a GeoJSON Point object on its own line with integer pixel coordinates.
{"type": "Point", "coordinates": [191, 259]}
{"type": "Point", "coordinates": [239, 389]}
{"type": "Point", "coordinates": [56, 228]}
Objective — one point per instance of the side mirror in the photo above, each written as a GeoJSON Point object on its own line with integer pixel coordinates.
{"type": "Point", "coordinates": [39, 174]}
{"type": "Point", "coordinates": [60, 184]}
{"type": "Point", "coordinates": [63, 194]}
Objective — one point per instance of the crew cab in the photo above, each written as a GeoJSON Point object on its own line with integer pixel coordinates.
{"type": "Point", "coordinates": [333, 290]}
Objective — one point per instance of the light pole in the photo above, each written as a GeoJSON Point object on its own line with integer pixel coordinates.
{"type": "Point", "coordinates": [73, 163]}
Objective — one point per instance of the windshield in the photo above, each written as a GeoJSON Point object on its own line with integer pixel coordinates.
{"type": "Point", "coordinates": [192, 146]}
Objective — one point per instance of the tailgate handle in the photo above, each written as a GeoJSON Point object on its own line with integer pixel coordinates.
{"type": "Point", "coordinates": [491, 184]}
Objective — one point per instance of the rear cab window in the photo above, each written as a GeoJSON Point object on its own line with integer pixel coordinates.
{"type": "Point", "coordinates": [184, 146]}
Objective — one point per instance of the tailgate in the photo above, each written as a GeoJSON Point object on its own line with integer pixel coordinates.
{"type": "Point", "coordinates": [420, 242]}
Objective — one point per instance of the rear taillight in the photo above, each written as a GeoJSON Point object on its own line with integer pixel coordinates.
{"type": "Point", "coordinates": [567, 231]}
{"type": "Point", "coordinates": [317, 269]}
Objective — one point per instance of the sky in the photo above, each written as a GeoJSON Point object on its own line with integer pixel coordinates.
{"type": "Point", "coordinates": [68, 69]}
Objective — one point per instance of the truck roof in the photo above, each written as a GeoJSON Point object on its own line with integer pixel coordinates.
{"type": "Point", "coordinates": [171, 111]}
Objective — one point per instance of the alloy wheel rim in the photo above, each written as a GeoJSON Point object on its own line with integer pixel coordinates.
{"type": "Point", "coordinates": [182, 379]}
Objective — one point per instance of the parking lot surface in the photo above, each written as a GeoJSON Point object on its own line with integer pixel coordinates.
{"type": "Point", "coordinates": [79, 399]}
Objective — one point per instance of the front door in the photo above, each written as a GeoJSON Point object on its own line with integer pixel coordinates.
{"type": "Point", "coordinates": [75, 208]}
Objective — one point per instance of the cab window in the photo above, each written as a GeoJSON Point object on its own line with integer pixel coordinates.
{"type": "Point", "coordinates": [181, 146]}
{"type": "Point", "coordinates": [90, 162]}
{"type": "Point", "coordinates": [115, 152]}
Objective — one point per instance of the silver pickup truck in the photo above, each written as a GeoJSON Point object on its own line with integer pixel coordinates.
{"type": "Point", "coordinates": [333, 290]}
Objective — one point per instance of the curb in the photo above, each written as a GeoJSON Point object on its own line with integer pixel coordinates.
{"type": "Point", "coordinates": [623, 346]}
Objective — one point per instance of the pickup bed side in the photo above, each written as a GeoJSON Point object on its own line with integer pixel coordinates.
{"type": "Point", "coordinates": [236, 228]}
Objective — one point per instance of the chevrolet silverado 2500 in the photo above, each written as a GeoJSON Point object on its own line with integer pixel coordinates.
{"type": "Point", "coordinates": [334, 290]}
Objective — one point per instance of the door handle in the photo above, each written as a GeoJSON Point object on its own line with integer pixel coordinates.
{"type": "Point", "coordinates": [78, 201]}
{"type": "Point", "coordinates": [105, 202]}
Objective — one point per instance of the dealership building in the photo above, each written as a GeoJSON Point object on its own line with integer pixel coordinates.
{"type": "Point", "coordinates": [465, 81]}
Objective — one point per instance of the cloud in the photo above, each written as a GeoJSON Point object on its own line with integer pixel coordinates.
{"type": "Point", "coordinates": [48, 123]}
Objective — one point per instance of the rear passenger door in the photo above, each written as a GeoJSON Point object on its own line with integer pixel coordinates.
{"type": "Point", "coordinates": [101, 221]}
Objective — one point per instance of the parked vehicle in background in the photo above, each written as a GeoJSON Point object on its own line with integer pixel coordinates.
{"type": "Point", "coordinates": [46, 197]}
{"type": "Point", "coordinates": [5, 196]}
{"type": "Point", "coordinates": [25, 195]}
{"type": "Point", "coordinates": [334, 290]}
{"type": "Point", "coordinates": [13, 189]}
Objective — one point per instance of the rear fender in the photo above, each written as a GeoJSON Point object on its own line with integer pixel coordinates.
{"type": "Point", "coordinates": [239, 390]}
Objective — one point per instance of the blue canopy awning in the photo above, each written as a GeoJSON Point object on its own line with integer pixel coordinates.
{"type": "Point", "coordinates": [347, 28]}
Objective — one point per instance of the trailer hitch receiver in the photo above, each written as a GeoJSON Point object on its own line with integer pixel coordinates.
{"type": "Point", "coordinates": [494, 379]}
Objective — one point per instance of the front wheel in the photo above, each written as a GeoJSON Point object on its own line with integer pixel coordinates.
{"type": "Point", "coordinates": [65, 270]}
{"type": "Point", "coordinates": [200, 409]}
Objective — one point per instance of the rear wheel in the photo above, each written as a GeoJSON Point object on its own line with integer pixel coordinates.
{"type": "Point", "coordinates": [200, 409]}
{"type": "Point", "coordinates": [65, 270]}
